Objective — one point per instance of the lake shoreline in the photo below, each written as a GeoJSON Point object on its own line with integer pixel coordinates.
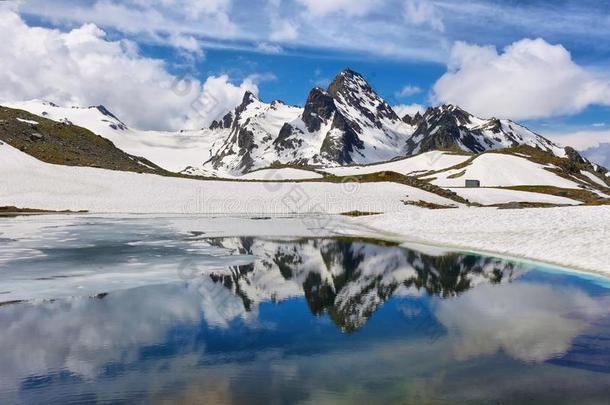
{"type": "Point", "coordinates": [567, 237]}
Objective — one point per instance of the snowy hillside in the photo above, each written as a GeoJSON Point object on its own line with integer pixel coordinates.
{"type": "Point", "coordinates": [173, 151]}
{"type": "Point", "coordinates": [528, 170]}
{"type": "Point", "coordinates": [29, 183]}
{"type": "Point", "coordinates": [415, 165]}
{"type": "Point", "coordinates": [496, 169]}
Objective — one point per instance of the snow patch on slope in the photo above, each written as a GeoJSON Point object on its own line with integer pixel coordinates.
{"type": "Point", "coordinates": [501, 170]}
{"type": "Point", "coordinates": [491, 196]}
{"type": "Point", "coordinates": [429, 161]}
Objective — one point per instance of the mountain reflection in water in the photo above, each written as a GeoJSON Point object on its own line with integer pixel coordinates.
{"type": "Point", "coordinates": [316, 321]}
{"type": "Point", "coordinates": [348, 279]}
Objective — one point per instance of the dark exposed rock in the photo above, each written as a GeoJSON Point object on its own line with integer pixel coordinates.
{"type": "Point", "coordinates": [119, 125]}
{"type": "Point", "coordinates": [106, 112]}
{"type": "Point", "coordinates": [349, 87]}
{"type": "Point", "coordinates": [223, 123]}
{"type": "Point", "coordinates": [442, 128]}
{"type": "Point", "coordinates": [319, 107]}
{"type": "Point", "coordinates": [248, 99]}
{"type": "Point", "coordinates": [35, 136]}
{"type": "Point", "coordinates": [276, 103]}
{"type": "Point", "coordinates": [573, 156]}
{"type": "Point", "coordinates": [227, 120]}
{"type": "Point", "coordinates": [245, 139]}
{"type": "Point", "coordinates": [339, 145]}
{"type": "Point", "coordinates": [573, 160]}
{"type": "Point", "coordinates": [286, 140]}
{"type": "Point", "coordinates": [414, 120]}
{"type": "Point", "coordinates": [445, 127]}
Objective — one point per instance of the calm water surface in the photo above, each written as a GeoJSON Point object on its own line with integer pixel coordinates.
{"type": "Point", "coordinates": [99, 311]}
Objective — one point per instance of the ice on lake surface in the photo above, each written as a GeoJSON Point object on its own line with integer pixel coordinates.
{"type": "Point", "coordinates": [178, 309]}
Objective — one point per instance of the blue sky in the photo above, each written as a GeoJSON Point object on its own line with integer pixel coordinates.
{"type": "Point", "coordinates": [413, 52]}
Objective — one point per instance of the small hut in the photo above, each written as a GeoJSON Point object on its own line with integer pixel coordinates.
{"type": "Point", "coordinates": [473, 184]}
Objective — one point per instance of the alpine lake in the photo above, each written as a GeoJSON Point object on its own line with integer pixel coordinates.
{"type": "Point", "coordinates": [141, 309]}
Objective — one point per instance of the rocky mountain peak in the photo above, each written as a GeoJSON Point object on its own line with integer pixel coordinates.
{"type": "Point", "coordinates": [248, 99]}
{"type": "Point", "coordinates": [229, 118]}
{"type": "Point", "coordinates": [277, 103]}
{"type": "Point", "coordinates": [349, 123]}
{"type": "Point", "coordinates": [117, 124]}
{"type": "Point", "coordinates": [450, 127]}
{"type": "Point", "coordinates": [447, 114]}
{"type": "Point", "coordinates": [348, 81]}
{"type": "Point", "coordinates": [358, 102]}
{"type": "Point", "coordinates": [225, 122]}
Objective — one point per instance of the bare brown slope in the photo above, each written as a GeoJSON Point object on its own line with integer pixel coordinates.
{"type": "Point", "coordinates": [66, 144]}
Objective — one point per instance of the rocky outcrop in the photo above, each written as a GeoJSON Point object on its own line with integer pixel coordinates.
{"type": "Point", "coordinates": [415, 120]}
{"type": "Point", "coordinates": [340, 142]}
{"type": "Point", "coordinates": [319, 108]}
{"type": "Point", "coordinates": [450, 127]}
{"type": "Point", "coordinates": [223, 123]}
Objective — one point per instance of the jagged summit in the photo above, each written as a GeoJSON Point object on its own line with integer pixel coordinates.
{"type": "Point", "coordinates": [348, 79]}
{"type": "Point", "coordinates": [248, 98]}
{"type": "Point", "coordinates": [349, 123]}
{"type": "Point", "coordinates": [346, 123]}
{"type": "Point", "coordinates": [351, 90]}
{"type": "Point", "coordinates": [450, 127]}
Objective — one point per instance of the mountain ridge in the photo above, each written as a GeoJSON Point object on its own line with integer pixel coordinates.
{"type": "Point", "coordinates": [346, 124]}
{"type": "Point", "coordinates": [349, 123]}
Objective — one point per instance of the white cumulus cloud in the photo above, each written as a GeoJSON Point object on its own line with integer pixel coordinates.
{"type": "Point", "coordinates": [82, 67]}
{"type": "Point", "coordinates": [529, 79]}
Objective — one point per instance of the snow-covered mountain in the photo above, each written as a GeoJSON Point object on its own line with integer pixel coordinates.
{"type": "Point", "coordinates": [61, 143]}
{"type": "Point", "coordinates": [349, 123]}
{"type": "Point", "coordinates": [449, 126]}
{"type": "Point", "coordinates": [346, 124]}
